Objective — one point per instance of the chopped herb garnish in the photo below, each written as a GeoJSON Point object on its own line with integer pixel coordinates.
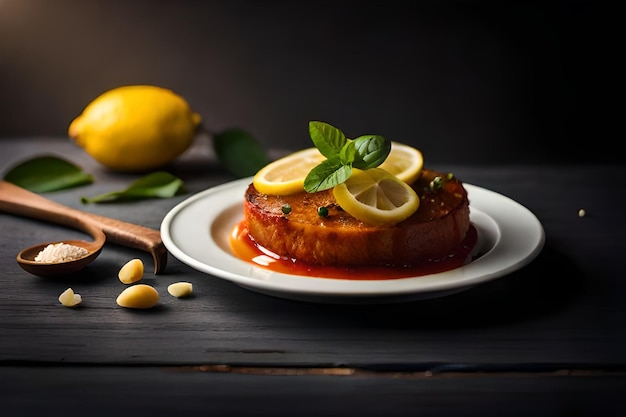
{"type": "Point", "coordinates": [286, 208]}
{"type": "Point", "coordinates": [438, 182]}
{"type": "Point", "coordinates": [322, 211]}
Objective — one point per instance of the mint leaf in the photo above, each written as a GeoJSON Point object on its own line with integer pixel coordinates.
{"type": "Point", "coordinates": [327, 139]}
{"type": "Point", "coordinates": [347, 153]}
{"type": "Point", "coordinates": [156, 185]}
{"type": "Point", "coordinates": [47, 173]}
{"type": "Point", "coordinates": [240, 153]}
{"type": "Point", "coordinates": [327, 174]}
{"type": "Point", "coordinates": [371, 151]}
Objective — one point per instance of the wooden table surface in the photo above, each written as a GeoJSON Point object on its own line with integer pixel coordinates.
{"type": "Point", "coordinates": [548, 339]}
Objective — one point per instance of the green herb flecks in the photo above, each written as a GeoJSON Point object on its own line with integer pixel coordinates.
{"type": "Point", "coordinates": [156, 185]}
{"type": "Point", "coordinates": [342, 154]}
{"type": "Point", "coordinates": [436, 183]}
{"type": "Point", "coordinates": [322, 211]}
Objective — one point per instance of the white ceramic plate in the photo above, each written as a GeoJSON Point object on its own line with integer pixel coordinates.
{"type": "Point", "coordinates": [197, 231]}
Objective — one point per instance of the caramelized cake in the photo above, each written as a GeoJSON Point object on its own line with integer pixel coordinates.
{"type": "Point", "coordinates": [337, 239]}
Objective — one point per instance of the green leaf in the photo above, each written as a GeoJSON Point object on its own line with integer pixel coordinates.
{"type": "Point", "coordinates": [327, 139]}
{"type": "Point", "coordinates": [240, 153]}
{"type": "Point", "coordinates": [371, 151]}
{"type": "Point", "coordinates": [156, 185]}
{"type": "Point", "coordinates": [348, 153]}
{"type": "Point", "coordinates": [47, 173]}
{"type": "Point", "coordinates": [326, 175]}
{"type": "Point", "coordinates": [342, 154]}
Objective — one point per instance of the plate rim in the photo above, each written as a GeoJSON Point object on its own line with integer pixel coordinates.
{"type": "Point", "coordinates": [355, 289]}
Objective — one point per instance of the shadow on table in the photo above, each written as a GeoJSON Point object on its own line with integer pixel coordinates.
{"type": "Point", "coordinates": [546, 285]}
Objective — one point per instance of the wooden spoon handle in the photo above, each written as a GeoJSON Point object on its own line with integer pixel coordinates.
{"type": "Point", "coordinates": [19, 201]}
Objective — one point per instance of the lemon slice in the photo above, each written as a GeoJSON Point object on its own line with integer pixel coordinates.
{"type": "Point", "coordinates": [404, 161]}
{"type": "Point", "coordinates": [376, 197]}
{"type": "Point", "coordinates": [286, 175]}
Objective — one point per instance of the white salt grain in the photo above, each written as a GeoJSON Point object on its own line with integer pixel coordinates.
{"type": "Point", "coordinates": [60, 252]}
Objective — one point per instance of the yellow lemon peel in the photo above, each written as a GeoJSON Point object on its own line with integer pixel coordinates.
{"type": "Point", "coordinates": [376, 197]}
{"type": "Point", "coordinates": [135, 128]}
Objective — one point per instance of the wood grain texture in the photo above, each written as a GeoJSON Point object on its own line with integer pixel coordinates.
{"type": "Point", "coordinates": [120, 391]}
{"type": "Point", "coordinates": [564, 311]}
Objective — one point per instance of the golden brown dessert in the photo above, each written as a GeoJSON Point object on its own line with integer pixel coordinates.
{"type": "Point", "coordinates": [432, 232]}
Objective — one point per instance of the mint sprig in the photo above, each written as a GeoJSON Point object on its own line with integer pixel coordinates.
{"type": "Point", "coordinates": [342, 154]}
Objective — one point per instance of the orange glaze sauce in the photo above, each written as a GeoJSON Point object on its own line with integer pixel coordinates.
{"type": "Point", "coordinates": [246, 249]}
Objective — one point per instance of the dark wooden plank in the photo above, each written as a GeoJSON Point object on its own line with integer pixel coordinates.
{"type": "Point", "coordinates": [121, 391]}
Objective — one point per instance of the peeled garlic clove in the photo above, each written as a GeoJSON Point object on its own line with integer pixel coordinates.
{"type": "Point", "coordinates": [69, 299]}
{"type": "Point", "coordinates": [131, 272]}
{"type": "Point", "coordinates": [138, 296]}
{"type": "Point", "coordinates": [180, 289]}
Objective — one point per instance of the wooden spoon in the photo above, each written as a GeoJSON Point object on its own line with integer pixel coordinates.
{"type": "Point", "coordinates": [17, 200]}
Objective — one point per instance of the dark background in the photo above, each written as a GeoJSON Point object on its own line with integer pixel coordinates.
{"type": "Point", "coordinates": [464, 81]}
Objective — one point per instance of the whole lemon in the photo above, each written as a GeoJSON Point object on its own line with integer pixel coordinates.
{"type": "Point", "coordinates": [135, 128]}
